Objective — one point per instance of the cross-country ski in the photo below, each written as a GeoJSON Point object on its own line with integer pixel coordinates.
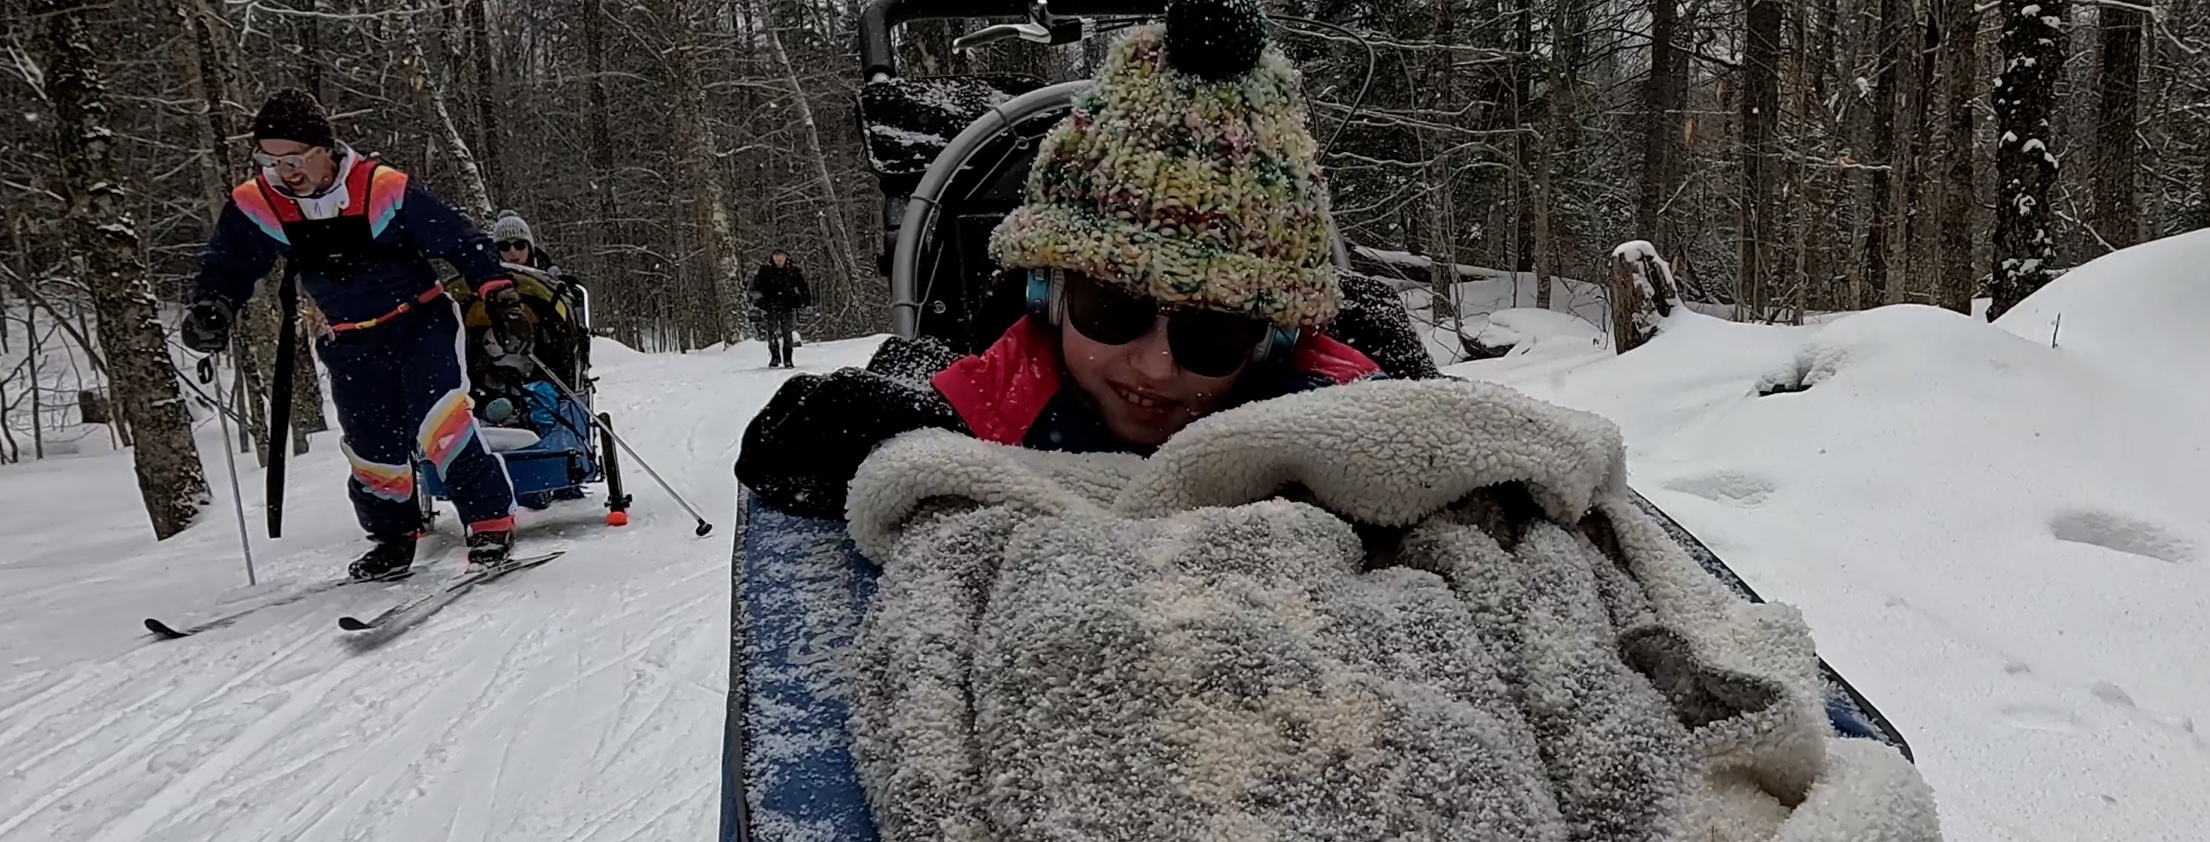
{"type": "Point", "coordinates": [1104, 420]}
{"type": "Point", "coordinates": [415, 608]}
{"type": "Point", "coordinates": [166, 631]}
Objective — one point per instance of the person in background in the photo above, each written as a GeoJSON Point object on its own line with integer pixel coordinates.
{"type": "Point", "coordinates": [517, 246]}
{"type": "Point", "coordinates": [778, 291]}
{"type": "Point", "coordinates": [361, 235]}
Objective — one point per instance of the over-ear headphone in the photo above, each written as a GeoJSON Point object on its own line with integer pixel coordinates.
{"type": "Point", "coordinates": [1047, 300]}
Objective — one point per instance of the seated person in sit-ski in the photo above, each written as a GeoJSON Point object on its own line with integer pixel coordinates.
{"type": "Point", "coordinates": [1154, 301]}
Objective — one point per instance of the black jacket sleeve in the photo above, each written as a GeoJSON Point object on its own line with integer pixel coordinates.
{"type": "Point", "coordinates": [802, 449]}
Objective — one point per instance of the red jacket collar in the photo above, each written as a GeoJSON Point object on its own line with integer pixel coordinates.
{"type": "Point", "coordinates": [1000, 393]}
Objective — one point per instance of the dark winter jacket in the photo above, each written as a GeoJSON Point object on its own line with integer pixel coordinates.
{"type": "Point", "coordinates": [360, 265]}
{"type": "Point", "coordinates": [804, 446]}
{"type": "Point", "coordinates": [780, 288]}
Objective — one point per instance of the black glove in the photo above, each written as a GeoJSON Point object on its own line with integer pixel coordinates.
{"type": "Point", "coordinates": [206, 327]}
{"type": "Point", "coordinates": [1373, 321]}
{"type": "Point", "coordinates": [803, 448]}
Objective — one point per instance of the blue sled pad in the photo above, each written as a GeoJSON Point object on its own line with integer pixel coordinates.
{"type": "Point", "coordinates": [802, 589]}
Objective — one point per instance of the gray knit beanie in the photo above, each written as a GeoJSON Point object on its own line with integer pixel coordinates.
{"type": "Point", "coordinates": [509, 226]}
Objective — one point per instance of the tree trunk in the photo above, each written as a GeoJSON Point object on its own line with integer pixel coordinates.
{"type": "Point", "coordinates": [2025, 168]}
{"type": "Point", "coordinates": [1557, 119]}
{"type": "Point", "coordinates": [487, 104]}
{"type": "Point", "coordinates": [141, 379]}
{"type": "Point", "coordinates": [474, 195]}
{"type": "Point", "coordinates": [1915, 282]}
{"type": "Point", "coordinates": [694, 142]}
{"type": "Point", "coordinates": [1881, 213]}
{"type": "Point", "coordinates": [1760, 197]}
{"type": "Point", "coordinates": [1960, 208]}
{"type": "Point", "coordinates": [840, 252]}
{"type": "Point", "coordinates": [213, 69]}
{"type": "Point", "coordinates": [1661, 94]}
{"type": "Point", "coordinates": [2117, 151]}
{"type": "Point", "coordinates": [607, 236]}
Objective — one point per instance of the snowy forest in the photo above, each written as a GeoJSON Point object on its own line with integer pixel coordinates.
{"type": "Point", "coordinates": [1787, 157]}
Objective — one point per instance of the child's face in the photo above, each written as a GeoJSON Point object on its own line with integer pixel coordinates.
{"type": "Point", "coordinates": [1144, 397]}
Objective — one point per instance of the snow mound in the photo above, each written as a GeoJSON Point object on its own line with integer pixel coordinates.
{"type": "Point", "coordinates": [2139, 314]}
{"type": "Point", "coordinates": [1997, 541]}
{"type": "Point", "coordinates": [1523, 329]}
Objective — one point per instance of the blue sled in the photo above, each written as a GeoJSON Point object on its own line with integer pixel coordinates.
{"type": "Point", "coordinates": [799, 592]}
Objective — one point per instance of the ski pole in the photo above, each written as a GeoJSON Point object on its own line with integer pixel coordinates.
{"type": "Point", "coordinates": [608, 429]}
{"type": "Point", "coordinates": [230, 461]}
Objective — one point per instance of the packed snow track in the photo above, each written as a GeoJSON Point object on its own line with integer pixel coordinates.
{"type": "Point", "coordinates": [582, 700]}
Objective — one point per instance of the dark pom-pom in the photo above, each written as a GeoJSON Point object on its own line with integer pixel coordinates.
{"type": "Point", "coordinates": [1214, 39]}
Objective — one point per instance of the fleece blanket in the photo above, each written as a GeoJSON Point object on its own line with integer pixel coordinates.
{"type": "Point", "coordinates": [1390, 610]}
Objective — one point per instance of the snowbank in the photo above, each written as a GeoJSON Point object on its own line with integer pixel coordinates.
{"type": "Point", "coordinates": [2141, 315]}
{"type": "Point", "coordinates": [2002, 544]}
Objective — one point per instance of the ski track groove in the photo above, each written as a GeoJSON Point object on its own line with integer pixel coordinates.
{"type": "Point", "coordinates": [179, 798]}
{"type": "Point", "coordinates": [137, 746]}
{"type": "Point", "coordinates": [39, 713]}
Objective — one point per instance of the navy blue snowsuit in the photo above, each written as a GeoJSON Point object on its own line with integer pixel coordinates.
{"type": "Point", "coordinates": [395, 354]}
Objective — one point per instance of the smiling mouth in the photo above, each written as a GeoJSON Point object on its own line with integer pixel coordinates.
{"type": "Point", "coordinates": [1143, 400]}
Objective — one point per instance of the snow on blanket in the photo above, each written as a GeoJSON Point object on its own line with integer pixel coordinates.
{"type": "Point", "coordinates": [1503, 647]}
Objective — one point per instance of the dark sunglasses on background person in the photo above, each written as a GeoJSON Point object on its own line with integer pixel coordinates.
{"type": "Point", "coordinates": [1208, 343]}
{"type": "Point", "coordinates": [512, 245]}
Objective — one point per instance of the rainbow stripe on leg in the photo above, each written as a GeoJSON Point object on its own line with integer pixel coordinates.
{"type": "Point", "coordinates": [448, 427]}
{"type": "Point", "coordinates": [390, 482]}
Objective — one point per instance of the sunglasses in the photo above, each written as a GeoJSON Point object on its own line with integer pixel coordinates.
{"type": "Point", "coordinates": [513, 245]}
{"type": "Point", "coordinates": [1207, 343]}
{"type": "Point", "coordinates": [294, 163]}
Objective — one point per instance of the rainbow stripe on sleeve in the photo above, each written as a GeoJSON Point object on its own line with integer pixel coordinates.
{"type": "Point", "coordinates": [255, 203]}
{"type": "Point", "coordinates": [386, 193]}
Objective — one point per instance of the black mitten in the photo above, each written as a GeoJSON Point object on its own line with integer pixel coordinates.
{"type": "Point", "coordinates": [1373, 320]}
{"type": "Point", "coordinates": [803, 448]}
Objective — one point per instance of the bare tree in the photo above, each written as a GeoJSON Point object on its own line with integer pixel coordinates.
{"type": "Point", "coordinates": [141, 381]}
{"type": "Point", "coordinates": [2117, 150]}
{"type": "Point", "coordinates": [2025, 166]}
{"type": "Point", "coordinates": [1960, 203]}
{"type": "Point", "coordinates": [1761, 196]}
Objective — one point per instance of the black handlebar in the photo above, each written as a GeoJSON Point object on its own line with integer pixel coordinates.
{"type": "Point", "coordinates": [881, 16]}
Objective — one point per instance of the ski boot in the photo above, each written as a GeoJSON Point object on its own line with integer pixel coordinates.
{"type": "Point", "coordinates": [491, 548]}
{"type": "Point", "coordinates": [388, 559]}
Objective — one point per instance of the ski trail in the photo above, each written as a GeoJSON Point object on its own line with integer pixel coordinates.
{"type": "Point", "coordinates": [136, 747]}
{"type": "Point", "coordinates": [185, 791]}
{"type": "Point", "coordinates": [580, 701]}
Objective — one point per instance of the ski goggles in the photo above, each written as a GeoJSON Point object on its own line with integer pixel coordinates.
{"type": "Point", "coordinates": [1207, 343]}
{"type": "Point", "coordinates": [294, 162]}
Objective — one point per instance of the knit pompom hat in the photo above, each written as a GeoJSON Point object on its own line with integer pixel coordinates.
{"type": "Point", "coordinates": [510, 226]}
{"type": "Point", "coordinates": [1186, 174]}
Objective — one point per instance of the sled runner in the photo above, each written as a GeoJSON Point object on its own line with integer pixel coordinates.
{"type": "Point", "coordinates": [546, 438]}
{"type": "Point", "coordinates": [801, 586]}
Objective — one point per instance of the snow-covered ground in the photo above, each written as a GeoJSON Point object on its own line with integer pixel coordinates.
{"type": "Point", "coordinates": [578, 701]}
{"type": "Point", "coordinates": [2002, 543]}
